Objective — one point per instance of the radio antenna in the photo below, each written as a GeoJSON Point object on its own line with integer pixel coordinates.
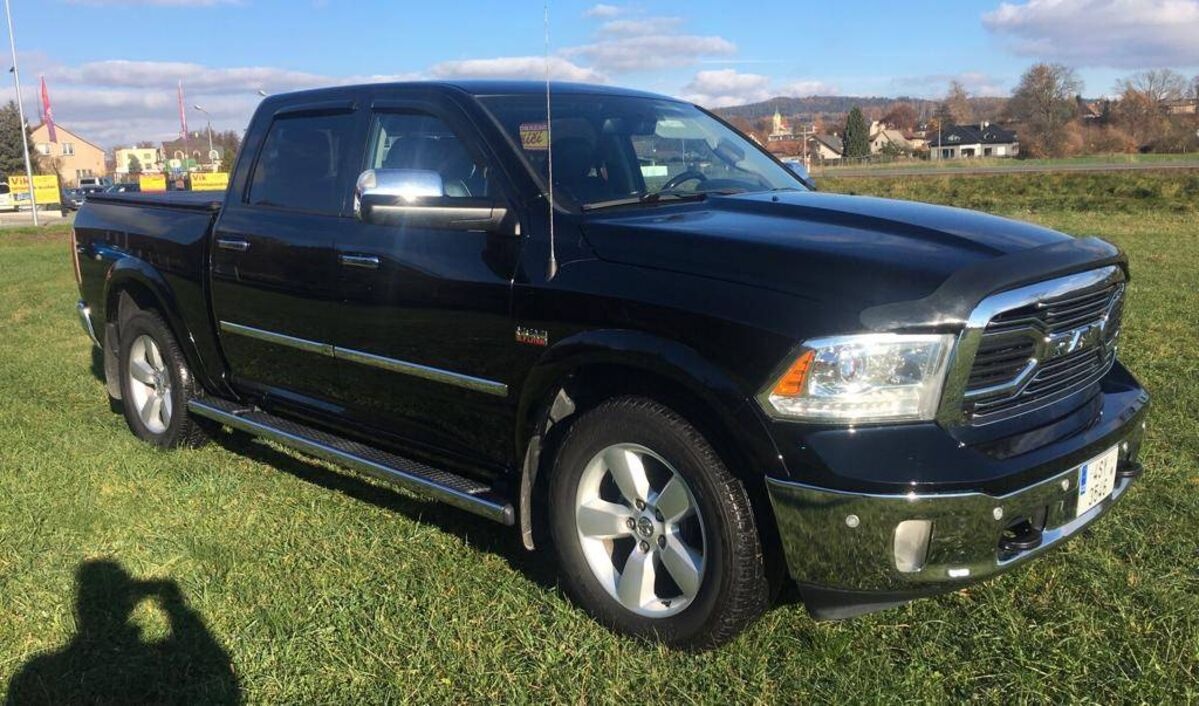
{"type": "Point", "coordinates": [552, 267]}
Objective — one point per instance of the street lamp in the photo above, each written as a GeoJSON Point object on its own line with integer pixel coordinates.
{"type": "Point", "coordinates": [209, 116]}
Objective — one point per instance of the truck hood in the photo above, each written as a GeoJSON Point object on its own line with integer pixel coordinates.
{"type": "Point", "coordinates": [823, 247]}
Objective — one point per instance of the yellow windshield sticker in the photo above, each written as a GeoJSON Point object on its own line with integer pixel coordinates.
{"type": "Point", "coordinates": [535, 137]}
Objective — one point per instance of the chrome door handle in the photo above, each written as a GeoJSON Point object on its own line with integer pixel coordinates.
{"type": "Point", "coordinates": [234, 244]}
{"type": "Point", "coordinates": [366, 262]}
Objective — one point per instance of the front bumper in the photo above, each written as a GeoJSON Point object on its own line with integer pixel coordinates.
{"type": "Point", "coordinates": [853, 553]}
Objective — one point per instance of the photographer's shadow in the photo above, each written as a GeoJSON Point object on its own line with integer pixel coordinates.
{"type": "Point", "coordinates": [108, 661]}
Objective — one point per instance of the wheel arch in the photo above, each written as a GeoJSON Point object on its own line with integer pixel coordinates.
{"type": "Point", "coordinates": [584, 370]}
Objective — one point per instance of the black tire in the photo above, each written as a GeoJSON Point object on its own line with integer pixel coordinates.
{"type": "Point", "coordinates": [183, 430]}
{"type": "Point", "coordinates": [733, 590]}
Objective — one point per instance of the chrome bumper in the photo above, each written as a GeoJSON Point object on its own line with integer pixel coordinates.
{"type": "Point", "coordinates": [85, 320]}
{"type": "Point", "coordinates": [850, 542]}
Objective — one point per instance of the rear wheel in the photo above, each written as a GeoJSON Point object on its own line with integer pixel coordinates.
{"type": "Point", "coordinates": [156, 384]}
{"type": "Point", "coordinates": [655, 537]}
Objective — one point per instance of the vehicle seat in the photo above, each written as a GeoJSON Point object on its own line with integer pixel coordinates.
{"type": "Point", "coordinates": [574, 159]}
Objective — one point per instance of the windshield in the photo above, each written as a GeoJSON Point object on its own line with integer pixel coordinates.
{"type": "Point", "coordinates": [613, 150]}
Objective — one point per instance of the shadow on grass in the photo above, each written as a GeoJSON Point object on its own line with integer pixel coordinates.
{"type": "Point", "coordinates": [477, 532]}
{"type": "Point", "coordinates": [108, 661]}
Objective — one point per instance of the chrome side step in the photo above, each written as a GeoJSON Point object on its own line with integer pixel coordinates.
{"type": "Point", "coordinates": [418, 477]}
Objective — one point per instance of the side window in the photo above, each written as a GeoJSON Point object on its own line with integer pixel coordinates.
{"type": "Point", "coordinates": [301, 165]}
{"type": "Point", "coordinates": [423, 142]}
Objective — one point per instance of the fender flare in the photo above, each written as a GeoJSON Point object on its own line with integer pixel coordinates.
{"type": "Point", "coordinates": [128, 270]}
{"type": "Point", "coordinates": [541, 399]}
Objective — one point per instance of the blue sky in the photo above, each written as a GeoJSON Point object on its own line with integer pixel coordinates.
{"type": "Point", "coordinates": [112, 64]}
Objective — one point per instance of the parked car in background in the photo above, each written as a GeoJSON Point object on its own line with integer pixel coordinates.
{"type": "Point", "coordinates": [7, 202]}
{"type": "Point", "coordinates": [90, 182]}
{"type": "Point", "coordinates": [691, 376]}
{"type": "Point", "coordinates": [126, 188]}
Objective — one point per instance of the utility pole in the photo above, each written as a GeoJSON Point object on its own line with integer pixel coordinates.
{"type": "Point", "coordinates": [16, 77]}
{"type": "Point", "coordinates": [209, 117]}
{"type": "Point", "coordinates": [805, 133]}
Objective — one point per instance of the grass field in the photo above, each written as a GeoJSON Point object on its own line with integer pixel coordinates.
{"type": "Point", "coordinates": [1086, 160]}
{"type": "Point", "coordinates": [263, 576]}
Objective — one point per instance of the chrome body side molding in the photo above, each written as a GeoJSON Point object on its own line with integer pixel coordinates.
{"type": "Point", "coordinates": [448, 377]}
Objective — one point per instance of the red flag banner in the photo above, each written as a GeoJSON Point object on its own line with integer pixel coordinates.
{"type": "Point", "coordinates": [48, 112]}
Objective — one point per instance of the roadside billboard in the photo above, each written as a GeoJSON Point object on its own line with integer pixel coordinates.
{"type": "Point", "coordinates": [152, 182]}
{"type": "Point", "coordinates": [210, 181]}
{"type": "Point", "coordinates": [45, 188]}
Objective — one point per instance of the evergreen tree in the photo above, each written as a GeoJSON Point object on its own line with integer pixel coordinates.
{"type": "Point", "coordinates": [135, 165]}
{"type": "Point", "coordinates": [12, 153]}
{"type": "Point", "coordinates": [857, 135]}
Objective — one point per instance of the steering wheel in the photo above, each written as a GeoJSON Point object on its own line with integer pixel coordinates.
{"type": "Point", "coordinates": [686, 176]}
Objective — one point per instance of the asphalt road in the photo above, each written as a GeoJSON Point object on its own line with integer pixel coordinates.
{"type": "Point", "coordinates": [1014, 169]}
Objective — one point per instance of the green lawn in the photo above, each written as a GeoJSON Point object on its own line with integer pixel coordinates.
{"type": "Point", "coordinates": [1085, 160]}
{"type": "Point", "coordinates": [262, 575]}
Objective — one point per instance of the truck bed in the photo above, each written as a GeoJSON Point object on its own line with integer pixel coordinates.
{"type": "Point", "coordinates": [196, 200]}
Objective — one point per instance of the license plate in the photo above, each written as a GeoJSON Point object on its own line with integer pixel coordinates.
{"type": "Point", "coordinates": [1096, 479]}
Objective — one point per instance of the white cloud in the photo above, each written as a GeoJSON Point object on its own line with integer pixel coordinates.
{"type": "Point", "coordinates": [724, 87]}
{"type": "Point", "coordinates": [1127, 34]}
{"type": "Point", "coordinates": [527, 67]}
{"type": "Point", "coordinates": [601, 10]}
{"type": "Point", "coordinates": [643, 25]}
{"type": "Point", "coordinates": [651, 51]}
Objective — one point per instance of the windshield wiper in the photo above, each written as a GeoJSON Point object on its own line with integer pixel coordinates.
{"type": "Point", "coordinates": [658, 197]}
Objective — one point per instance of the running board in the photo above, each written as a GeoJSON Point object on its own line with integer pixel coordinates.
{"type": "Point", "coordinates": [452, 489]}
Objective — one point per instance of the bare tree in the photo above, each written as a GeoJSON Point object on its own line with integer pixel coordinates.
{"type": "Point", "coordinates": [1044, 104]}
{"type": "Point", "coordinates": [901, 116]}
{"type": "Point", "coordinates": [957, 103]}
{"type": "Point", "coordinates": [1155, 85]}
{"type": "Point", "coordinates": [1195, 87]}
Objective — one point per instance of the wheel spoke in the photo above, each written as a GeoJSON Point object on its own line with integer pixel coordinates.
{"type": "Point", "coordinates": [151, 410]}
{"type": "Point", "coordinates": [635, 587]}
{"type": "Point", "coordinates": [141, 371]}
{"type": "Point", "coordinates": [601, 519]}
{"type": "Point", "coordinates": [166, 407]}
{"type": "Point", "coordinates": [674, 502]}
{"type": "Point", "coordinates": [682, 564]}
{"type": "Point", "coordinates": [628, 472]}
{"type": "Point", "coordinates": [152, 354]}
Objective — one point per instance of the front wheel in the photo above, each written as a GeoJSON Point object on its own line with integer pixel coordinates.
{"type": "Point", "coordinates": [156, 384]}
{"type": "Point", "coordinates": [654, 535]}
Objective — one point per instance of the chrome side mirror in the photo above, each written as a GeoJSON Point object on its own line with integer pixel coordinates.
{"type": "Point", "coordinates": [801, 172]}
{"type": "Point", "coordinates": [416, 198]}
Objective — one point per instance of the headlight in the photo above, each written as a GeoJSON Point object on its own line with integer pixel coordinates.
{"type": "Point", "coordinates": [864, 378]}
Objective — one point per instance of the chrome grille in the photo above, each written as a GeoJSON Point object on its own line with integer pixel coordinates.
{"type": "Point", "coordinates": [1040, 351]}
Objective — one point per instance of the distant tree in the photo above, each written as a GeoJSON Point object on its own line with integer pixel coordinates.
{"type": "Point", "coordinates": [1155, 85]}
{"type": "Point", "coordinates": [1195, 88]}
{"type": "Point", "coordinates": [1044, 105]}
{"type": "Point", "coordinates": [135, 165]}
{"type": "Point", "coordinates": [857, 134]}
{"type": "Point", "coordinates": [146, 144]}
{"type": "Point", "coordinates": [12, 152]}
{"type": "Point", "coordinates": [1138, 115]}
{"type": "Point", "coordinates": [957, 102]}
{"type": "Point", "coordinates": [901, 116]}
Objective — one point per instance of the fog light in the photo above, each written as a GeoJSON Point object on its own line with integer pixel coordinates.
{"type": "Point", "coordinates": [911, 544]}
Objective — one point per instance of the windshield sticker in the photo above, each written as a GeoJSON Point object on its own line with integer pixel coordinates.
{"type": "Point", "coordinates": [534, 137]}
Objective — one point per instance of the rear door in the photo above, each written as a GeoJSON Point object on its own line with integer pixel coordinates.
{"type": "Point", "coordinates": [424, 333]}
{"type": "Point", "coordinates": [274, 279]}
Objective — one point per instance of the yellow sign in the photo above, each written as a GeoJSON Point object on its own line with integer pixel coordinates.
{"type": "Point", "coordinates": [45, 188]}
{"type": "Point", "coordinates": [152, 182]}
{"type": "Point", "coordinates": [210, 181]}
{"type": "Point", "coordinates": [535, 137]}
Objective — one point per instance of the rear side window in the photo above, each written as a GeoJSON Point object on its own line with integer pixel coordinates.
{"type": "Point", "coordinates": [302, 164]}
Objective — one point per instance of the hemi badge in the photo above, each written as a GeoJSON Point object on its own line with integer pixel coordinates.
{"type": "Point", "coordinates": [532, 336]}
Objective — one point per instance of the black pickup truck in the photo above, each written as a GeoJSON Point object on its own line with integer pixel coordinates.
{"type": "Point", "coordinates": [635, 336]}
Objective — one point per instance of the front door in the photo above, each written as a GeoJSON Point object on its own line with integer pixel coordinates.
{"type": "Point", "coordinates": [424, 336]}
{"type": "Point", "coordinates": [274, 275]}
